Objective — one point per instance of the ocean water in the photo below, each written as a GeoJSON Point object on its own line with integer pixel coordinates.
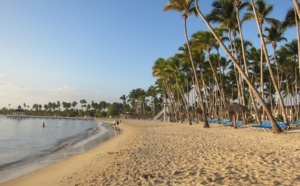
{"type": "Point", "coordinates": [26, 146]}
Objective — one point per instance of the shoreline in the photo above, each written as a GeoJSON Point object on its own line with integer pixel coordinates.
{"type": "Point", "coordinates": [35, 169]}
{"type": "Point", "coordinates": [157, 153]}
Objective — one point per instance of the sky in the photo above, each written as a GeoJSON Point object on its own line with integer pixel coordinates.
{"type": "Point", "coordinates": [69, 50]}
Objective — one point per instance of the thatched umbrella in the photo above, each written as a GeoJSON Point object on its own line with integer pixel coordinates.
{"type": "Point", "coordinates": [234, 108]}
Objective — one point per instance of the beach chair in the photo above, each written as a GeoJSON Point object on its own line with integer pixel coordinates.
{"type": "Point", "coordinates": [239, 123]}
{"type": "Point", "coordinates": [266, 126]}
{"type": "Point", "coordinates": [214, 120]}
{"type": "Point", "coordinates": [225, 121]}
{"type": "Point", "coordinates": [297, 123]}
{"type": "Point", "coordinates": [283, 126]}
{"type": "Point", "coordinates": [230, 124]}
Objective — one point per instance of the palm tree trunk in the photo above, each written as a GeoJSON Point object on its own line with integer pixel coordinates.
{"type": "Point", "coordinates": [239, 78]}
{"type": "Point", "coordinates": [215, 77]}
{"type": "Point", "coordinates": [262, 78]}
{"type": "Point", "coordinates": [296, 5]}
{"type": "Point", "coordinates": [298, 37]}
{"type": "Point", "coordinates": [275, 127]}
{"type": "Point", "coordinates": [185, 100]}
{"type": "Point", "coordinates": [269, 65]}
{"type": "Point", "coordinates": [200, 99]}
{"type": "Point", "coordinates": [245, 63]}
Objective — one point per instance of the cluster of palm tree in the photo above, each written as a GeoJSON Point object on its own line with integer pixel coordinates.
{"type": "Point", "coordinates": [199, 78]}
{"type": "Point", "coordinates": [92, 109]}
{"type": "Point", "coordinates": [142, 103]}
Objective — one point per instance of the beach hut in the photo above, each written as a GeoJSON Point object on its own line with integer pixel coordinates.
{"type": "Point", "coordinates": [233, 109]}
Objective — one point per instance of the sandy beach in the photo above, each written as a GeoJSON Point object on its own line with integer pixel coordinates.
{"type": "Point", "coordinates": [156, 153]}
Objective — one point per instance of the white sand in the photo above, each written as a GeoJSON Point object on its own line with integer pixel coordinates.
{"type": "Point", "coordinates": [155, 153]}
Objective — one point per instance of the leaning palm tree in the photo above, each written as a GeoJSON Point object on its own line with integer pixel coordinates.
{"type": "Point", "coordinates": [297, 8]}
{"type": "Point", "coordinates": [186, 7]}
{"type": "Point", "coordinates": [238, 6]}
{"type": "Point", "coordinates": [275, 127]}
{"type": "Point", "coordinates": [263, 11]}
{"type": "Point", "coordinates": [265, 50]}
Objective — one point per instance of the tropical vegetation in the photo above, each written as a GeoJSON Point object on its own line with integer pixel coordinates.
{"type": "Point", "coordinates": [257, 77]}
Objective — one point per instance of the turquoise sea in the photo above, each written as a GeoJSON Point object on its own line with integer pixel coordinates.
{"type": "Point", "coordinates": [26, 146]}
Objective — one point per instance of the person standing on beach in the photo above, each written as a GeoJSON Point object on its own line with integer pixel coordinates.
{"type": "Point", "coordinates": [232, 114]}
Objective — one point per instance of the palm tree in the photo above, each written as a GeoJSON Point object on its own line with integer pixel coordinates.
{"type": "Point", "coordinates": [238, 6]}
{"type": "Point", "coordinates": [74, 103]}
{"type": "Point", "coordinates": [83, 103]}
{"type": "Point", "coordinates": [180, 86]}
{"type": "Point", "coordinates": [186, 7]}
{"type": "Point", "coordinates": [225, 13]}
{"type": "Point", "coordinates": [291, 19]}
{"type": "Point", "coordinates": [136, 100]}
{"type": "Point", "coordinates": [124, 98]}
{"type": "Point", "coordinates": [297, 8]}
{"type": "Point", "coordinates": [275, 127]}
{"type": "Point", "coordinates": [263, 10]}
{"type": "Point", "coordinates": [275, 84]}
{"type": "Point", "coordinates": [153, 92]}
{"type": "Point", "coordinates": [162, 71]}
{"type": "Point", "coordinates": [287, 59]}
{"type": "Point", "coordinates": [273, 36]}
{"type": "Point", "coordinates": [204, 40]}
{"type": "Point", "coordinates": [102, 105]}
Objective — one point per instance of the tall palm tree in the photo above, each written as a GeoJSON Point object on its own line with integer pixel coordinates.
{"type": "Point", "coordinates": [186, 7]}
{"type": "Point", "coordinates": [238, 6]}
{"type": "Point", "coordinates": [204, 40]}
{"type": "Point", "coordinates": [83, 103]}
{"type": "Point", "coordinates": [181, 88]}
{"type": "Point", "coordinates": [287, 59]}
{"type": "Point", "coordinates": [297, 8]}
{"type": "Point", "coordinates": [274, 35]}
{"type": "Point", "coordinates": [275, 127]}
{"type": "Point", "coordinates": [291, 19]}
{"type": "Point", "coordinates": [263, 11]}
{"type": "Point", "coordinates": [225, 13]}
{"type": "Point", "coordinates": [124, 98]}
{"type": "Point", "coordinates": [153, 92]}
{"type": "Point", "coordinates": [74, 103]}
{"type": "Point", "coordinates": [265, 50]}
{"type": "Point", "coordinates": [161, 70]}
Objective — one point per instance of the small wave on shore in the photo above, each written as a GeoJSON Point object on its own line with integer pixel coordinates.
{"type": "Point", "coordinates": [64, 148]}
